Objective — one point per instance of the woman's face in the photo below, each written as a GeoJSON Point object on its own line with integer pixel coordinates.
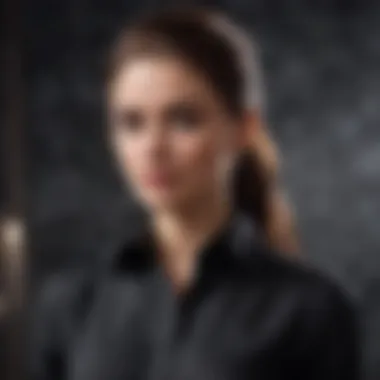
{"type": "Point", "coordinates": [174, 141]}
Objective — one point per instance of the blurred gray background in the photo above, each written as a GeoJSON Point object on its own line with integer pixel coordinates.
{"type": "Point", "coordinates": [322, 67]}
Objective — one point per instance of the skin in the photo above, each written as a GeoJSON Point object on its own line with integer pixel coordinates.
{"type": "Point", "coordinates": [176, 145]}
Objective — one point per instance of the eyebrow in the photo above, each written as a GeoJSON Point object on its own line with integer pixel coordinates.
{"type": "Point", "coordinates": [185, 102]}
{"type": "Point", "coordinates": [182, 102]}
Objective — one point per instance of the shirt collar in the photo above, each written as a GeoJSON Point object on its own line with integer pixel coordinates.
{"type": "Point", "coordinates": [238, 236]}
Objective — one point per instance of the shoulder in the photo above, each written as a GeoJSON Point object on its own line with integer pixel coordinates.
{"type": "Point", "coordinates": [58, 290]}
{"type": "Point", "coordinates": [308, 287]}
{"type": "Point", "coordinates": [55, 309]}
{"type": "Point", "coordinates": [304, 300]}
{"type": "Point", "coordinates": [59, 303]}
{"type": "Point", "coordinates": [323, 316]}
{"type": "Point", "coordinates": [313, 290]}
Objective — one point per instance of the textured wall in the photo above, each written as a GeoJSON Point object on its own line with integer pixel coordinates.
{"type": "Point", "coordinates": [322, 65]}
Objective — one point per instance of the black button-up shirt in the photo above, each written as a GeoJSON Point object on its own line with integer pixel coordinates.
{"type": "Point", "coordinates": [250, 314]}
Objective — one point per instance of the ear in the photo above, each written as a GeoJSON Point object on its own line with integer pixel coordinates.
{"type": "Point", "coordinates": [252, 123]}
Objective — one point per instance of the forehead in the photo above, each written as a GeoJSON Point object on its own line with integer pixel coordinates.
{"type": "Point", "coordinates": [153, 80]}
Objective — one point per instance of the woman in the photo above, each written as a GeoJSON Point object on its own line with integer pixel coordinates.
{"type": "Point", "coordinates": [207, 292]}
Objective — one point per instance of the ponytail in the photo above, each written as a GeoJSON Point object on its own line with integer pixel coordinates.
{"type": "Point", "coordinates": [257, 192]}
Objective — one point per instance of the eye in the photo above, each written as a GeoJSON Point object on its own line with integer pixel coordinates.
{"type": "Point", "coordinates": [185, 117]}
{"type": "Point", "coordinates": [129, 120]}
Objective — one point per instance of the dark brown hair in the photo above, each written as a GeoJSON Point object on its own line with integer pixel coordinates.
{"type": "Point", "coordinates": [223, 54]}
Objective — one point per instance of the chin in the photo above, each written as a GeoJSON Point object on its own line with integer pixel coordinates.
{"type": "Point", "coordinates": [163, 202]}
{"type": "Point", "coordinates": [160, 202]}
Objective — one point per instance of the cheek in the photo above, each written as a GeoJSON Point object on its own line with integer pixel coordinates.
{"type": "Point", "coordinates": [128, 155]}
{"type": "Point", "coordinates": [204, 161]}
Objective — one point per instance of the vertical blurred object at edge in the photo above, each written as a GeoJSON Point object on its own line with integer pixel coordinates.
{"type": "Point", "coordinates": [12, 211]}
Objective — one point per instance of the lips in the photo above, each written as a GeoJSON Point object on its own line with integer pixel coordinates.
{"type": "Point", "coordinates": [158, 180]}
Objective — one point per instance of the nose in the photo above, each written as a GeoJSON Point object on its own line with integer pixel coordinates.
{"type": "Point", "coordinates": [156, 142]}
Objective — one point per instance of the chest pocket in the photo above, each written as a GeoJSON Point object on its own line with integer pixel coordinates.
{"type": "Point", "coordinates": [111, 343]}
{"type": "Point", "coordinates": [227, 339]}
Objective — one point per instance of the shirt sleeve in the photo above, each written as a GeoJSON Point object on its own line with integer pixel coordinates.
{"type": "Point", "coordinates": [49, 325]}
{"type": "Point", "coordinates": [330, 345]}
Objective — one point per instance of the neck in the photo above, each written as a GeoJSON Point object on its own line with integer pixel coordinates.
{"type": "Point", "coordinates": [181, 234]}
